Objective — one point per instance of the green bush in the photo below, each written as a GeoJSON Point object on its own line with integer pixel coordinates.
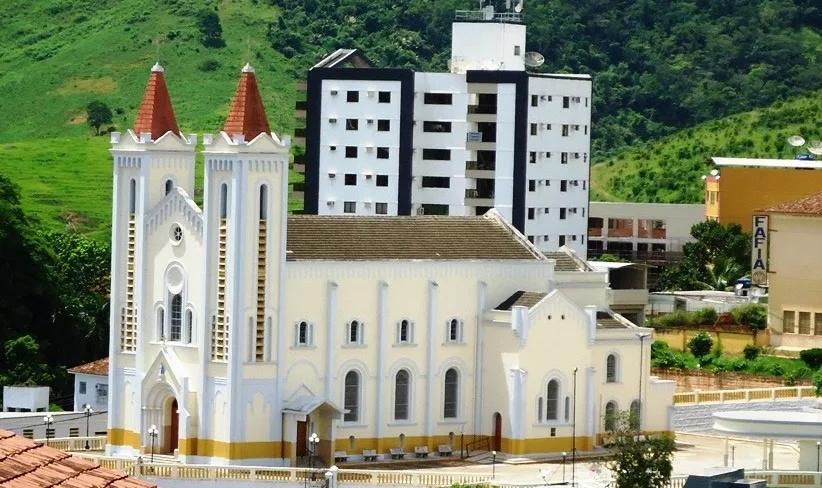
{"type": "Point", "coordinates": [812, 357]}
{"type": "Point", "coordinates": [753, 315]}
{"type": "Point", "coordinates": [675, 319]}
{"type": "Point", "coordinates": [659, 348]}
{"type": "Point", "coordinates": [751, 352]}
{"type": "Point", "coordinates": [817, 381]}
{"type": "Point", "coordinates": [775, 369]}
{"type": "Point", "coordinates": [209, 65]}
{"type": "Point", "coordinates": [700, 344]}
{"type": "Point", "coordinates": [706, 316]}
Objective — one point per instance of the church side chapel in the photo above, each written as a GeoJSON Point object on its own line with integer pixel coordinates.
{"type": "Point", "coordinates": [246, 335]}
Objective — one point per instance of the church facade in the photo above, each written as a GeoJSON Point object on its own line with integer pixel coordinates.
{"type": "Point", "coordinates": [239, 330]}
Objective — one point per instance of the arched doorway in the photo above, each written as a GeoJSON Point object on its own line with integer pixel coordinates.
{"type": "Point", "coordinates": [497, 432]}
{"type": "Point", "coordinates": [174, 428]}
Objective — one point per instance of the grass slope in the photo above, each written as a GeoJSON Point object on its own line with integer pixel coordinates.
{"type": "Point", "coordinates": [669, 170]}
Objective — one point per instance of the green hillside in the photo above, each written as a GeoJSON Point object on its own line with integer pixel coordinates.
{"type": "Point", "coordinates": [669, 170]}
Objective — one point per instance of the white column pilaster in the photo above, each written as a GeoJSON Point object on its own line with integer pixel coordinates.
{"type": "Point", "coordinates": [430, 374]}
{"type": "Point", "coordinates": [331, 321]}
{"type": "Point", "coordinates": [382, 311]}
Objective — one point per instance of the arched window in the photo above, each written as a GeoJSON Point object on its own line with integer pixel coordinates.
{"type": "Point", "coordinates": [610, 413]}
{"type": "Point", "coordinates": [539, 409]}
{"type": "Point", "coordinates": [611, 369]}
{"type": "Point", "coordinates": [303, 334]}
{"type": "Point", "coordinates": [552, 401]}
{"type": "Point", "coordinates": [176, 317]}
{"type": "Point", "coordinates": [402, 393]}
{"type": "Point", "coordinates": [635, 418]}
{"type": "Point", "coordinates": [454, 331]}
{"type": "Point", "coordinates": [169, 186]}
{"type": "Point", "coordinates": [352, 397]}
{"type": "Point", "coordinates": [223, 201]}
{"type": "Point", "coordinates": [161, 319]}
{"type": "Point", "coordinates": [189, 326]}
{"type": "Point", "coordinates": [354, 333]}
{"type": "Point", "coordinates": [567, 408]}
{"type": "Point", "coordinates": [404, 332]}
{"type": "Point", "coordinates": [263, 202]}
{"type": "Point", "coordinates": [450, 396]}
{"type": "Point", "coordinates": [132, 196]}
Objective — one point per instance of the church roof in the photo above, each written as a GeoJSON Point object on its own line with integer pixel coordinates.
{"type": "Point", "coordinates": [521, 299]}
{"type": "Point", "coordinates": [247, 114]}
{"type": "Point", "coordinates": [351, 238]}
{"type": "Point", "coordinates": [28, 464]}
{"type": "Point", "coordinates": [807, 205]}
{"type": "Point", "coordinates": [99, 367]}
{"type": "Point", "coordinates": [156, 115]}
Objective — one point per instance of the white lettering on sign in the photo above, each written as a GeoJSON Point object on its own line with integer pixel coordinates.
{"type": "Point", "coordinates": [759, 251]}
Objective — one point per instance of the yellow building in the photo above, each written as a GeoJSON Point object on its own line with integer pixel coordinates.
{"type": "Point", "coordinates": [745, 185]}
{"type": "Point", "coordinates": [795, 274]}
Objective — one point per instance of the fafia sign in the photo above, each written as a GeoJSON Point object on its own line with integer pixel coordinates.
{"type": "Point", "coordinates": [759, 251]}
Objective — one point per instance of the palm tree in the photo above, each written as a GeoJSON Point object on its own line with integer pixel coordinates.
{"type": "Point", "coordinates": [722, 274]}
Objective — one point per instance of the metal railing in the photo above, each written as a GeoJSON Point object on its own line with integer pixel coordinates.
{"type": "Point", "coordinates": [479, 194]}
{"type": "Point", "coordinates": [482, 109]}
{"type": "Point", "coordinates": [480, 165]}
{"type": "Point", "coordinates": [482, 15]}
{"type": "Point", "coordinates": [746, 395]}
{"type": "Point", "coordinates": [482, 443]}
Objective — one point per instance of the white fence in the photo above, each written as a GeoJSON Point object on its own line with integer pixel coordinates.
{"type": "Point", "coordinates": [71, 444]}
{"type": "Point", "coordinates": [748, 395]}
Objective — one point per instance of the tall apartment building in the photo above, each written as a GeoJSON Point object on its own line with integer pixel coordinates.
{"type": "Point", "coordinates": [488, 133]}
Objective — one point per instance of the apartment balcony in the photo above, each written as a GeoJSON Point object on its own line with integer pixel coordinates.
{"type": "Point", "coordinates": [479, 198]}
{"type": "Point", "coordinates": [299, 109]}
{"type": "Point", "coordinates": [651, 233]}
{"type": "Point", "coordinates": [592, 231]}
{"type": "Point", "coordinates": [482, 113]}
{"type": "Point", "coordinates": [299, 164]}
{"type": "Point", "coordinates": [298, 191]}
{"type": "Point", "coordinates": [476, 142]}
{"type": "Point", "coordinates": [620, 232]}
{"type": "Point", "coordinates": [628, 297]}
{"type": "Point", "coordinates": [480, 169]}
{"type": "Point", "coordinates": [299, 136]}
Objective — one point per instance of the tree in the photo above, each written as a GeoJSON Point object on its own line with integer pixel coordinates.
{"type": "Point", "coordinates": [701, 344]}
{"type": "Point", "coordinates": [210, 28]}
{"type": "Point", "coordinates": [98, 113]}
{"type": "Point", "coordinates": [722, 273]}
{"type": "Point", "coordinates": [638, 462]}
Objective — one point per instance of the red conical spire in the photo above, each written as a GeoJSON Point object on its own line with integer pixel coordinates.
{"type": "Point", "coordinates": [247, 114]}
{"type": "Point", "coordinates": [156, 114]}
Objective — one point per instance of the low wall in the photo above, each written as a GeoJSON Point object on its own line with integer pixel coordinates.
{"type": "Point", "coordinates": [706, 381]}
{"type": "Point", "coordinates": [732, 339]}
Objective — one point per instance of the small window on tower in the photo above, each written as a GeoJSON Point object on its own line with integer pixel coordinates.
{"type": "Point", "coordinates": [352, 96]}
{"type": "Point", "coordinates": [385, 97]}
{"type": "Point", "coordinates": [516, 50]}
{"type": "Point", "coordinates": [352, 124]}
{"type": "Point", "coordinates": [350, 179]}
{"type": "Point", "coordinates": [169, 186]}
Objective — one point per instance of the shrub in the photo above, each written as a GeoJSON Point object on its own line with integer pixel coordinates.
{"type": "Point", "coordinates": [817, 381]}
{"type": "Point", "coordinates": [753, 315]}
{"type": "Point", "coordinates": [659, 348]}
{"type": "Point", "coordinates": [751, 352]}
{"type": "Point", "coordinates": [209, 65]}
{"type": "Point", "coordinates": [812, 357]}
{"type": "Point", "coordinates": [775, 369]}
{"type": "Point", "coordinates": [675, 319]}
{"type": "Point", "coordinates": [706, 316]}
{"type": "Point", "coordinates": [700, 344]}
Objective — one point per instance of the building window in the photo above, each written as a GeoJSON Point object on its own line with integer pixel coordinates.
{"type": "Point", "coordinates": [436, 126]}
{"type": "Point", "coordinates": [28, 433]}
{"type": "Point", "coordinates": [385, 97]}
{"type": "Point", "coordinates": [82, 387]}
{"type": "Point", "coordinates": [563, 185]}
{"type": "Point", "coordinates": [533, 129]}
{"type": "Point", "coordinates": [74, 432]}
{"type": "Point", "coordinates": [532, 185]}
{"type": "Point", "coordinates": [517, 50]}
{"type": "Point", "coordinates": [634, 419]}
{"type": "Point", "coordinates": [611, 369]}
{"type": "Point", "coordinates": [383, 125]}
{"type": "Point", "coordinates": [567, 408]}
{"type": "Point", "coordinates": [534, 100]}
{"type": "Point", "coordinates": [189, 326]}
{"type": "Point", "coordinates": [352, 96]}
{"type": "Point", "coordinates": [132, 196]}
{"type": "Point", "coordinates": [454, 331]}
{"type": "Point", "coordinates": [563, 158]}
{"type": "Point", "coordinates": [405, 332]}
{"type": "Point", "coordinates": [382, 153]}
{"type": "Point", "coordinates": [566, 102]}
{"type": "Point", "coordinates": [169, 186]}
{"type": "Point", "coordinates": [532, 157]}
{"type": "Point", "coordinates": [530, 239]}
{"type": "Point", "coordinates": [354, 333]}
{"type": "Point", "coordinates": [451, 394]}
{"type": "Point", "coordinates": [539, 409]}
{"type": "Point", "coordinates": [788, 321]}
{"type": "Point", "coordinates": [804, 322]}
{"type": "Point", "coordinates": [161, 319]}
{"type": "Point", "coordinates": [530, 214]}
{"type": "Point", "coordinates": [436, 154]}
{"type": "Point", "coordinates": [817, 323]}
{"type": "Point", "coordinates": [102, 392]}
{"type": "Point", "coordinates": [561, 241]}
{"type": "Point", "coordinates": [381, 208]}
{"type": "Point", "coordinates": [350, 179]}
{"type": "Point", "coordinates": [437, 98]}
{"type": "Point", "coordinates": [382, 180]}
{"type": "Point", "coordinates": [303, 334]}
{"type": "Point", "coordinates": [350, 151]}
{"type": "Point", "coordinates": [223, 201]}
{"type": "Point", "coordinates": [263, 202]}
{"type": "Point", "coordinates": [552, 400]}
{"type": "Point", "coordinates": [352, 124]}
{"type": "Point", "coordinates": [562, 213]}
{"type": "Point", "coordinates": [176, 317]}
{"type": "Point", "coordinates": [402, 392]}
{"type": "Point", "coordinates": [610, 413]}
{"type": "Point", "coordinates": [349, 207]}
{"type": "Point", "coordinates": [351, 401]}
{"type": "Point", "coordinates": [564, 130]}
{"type": "Point", "coordinates": [436, 182]}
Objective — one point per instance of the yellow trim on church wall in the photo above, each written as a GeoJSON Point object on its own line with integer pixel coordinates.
{"type": "Point", "coordinates": [123, 437]}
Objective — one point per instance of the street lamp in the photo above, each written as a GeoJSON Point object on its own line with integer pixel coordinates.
{"type": "Point", "coordinates": [733, 453]}
{"type": "Point", "coordinates": [313, 440]}
{"type": "Point", "coordinates": [87, 408]}
{"type": "Point", "coordinates": [642, 337]}
{"type": "Point", "coordinates": [564, 455]}
{"type": "Point", "coordinates": [48, 420]}
{"type": "Point", "coordinates": [462, 439]}
{"type": "Point", "coordinates": [493, 465]}
{"type": "Point", "coordinates": [574, 433]}
{"type": "Point", "coordinates": [153, 433]}
{"type": "Point", "coordinates": [818, 444]}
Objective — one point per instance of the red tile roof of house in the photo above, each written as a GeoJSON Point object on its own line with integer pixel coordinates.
{"type": "Point", "coordinates": [156, 115]}
{"type": "Point", "coordinates": [99, 367]}
{"type": "Point", "coordinates": [28, 464]}
{"type": "Point", "coordinates": [807, 205]}
{"type": "Point", "coordinates": [247, 114]}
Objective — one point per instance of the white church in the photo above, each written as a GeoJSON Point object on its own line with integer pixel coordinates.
{"type": "Point", "coordinates": [239, 330]}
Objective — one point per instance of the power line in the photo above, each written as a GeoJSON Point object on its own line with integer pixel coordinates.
{"type": "Point", "coordinates": [56, 421]}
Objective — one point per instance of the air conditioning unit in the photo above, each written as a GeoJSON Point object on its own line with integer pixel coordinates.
{"type": "Point", "coordinates": [370, 121]}
{"type": "Point", "coordinates": [333, 92]}
{"type": "Point", "coordinates": [575, 99]}
{"type": "Point", "coordinates": [368, 203]}
{"type": "Point", "coordinates": [542, 126]}
{"type": "Point", "coordinates": [544, 97]}
{"type": "Point", "coordinates": [575, 127]}
{"type": "Point", "coordinates": [421, 211]}
{"type": "Point", "coordinates": [332, 148]}
{"type": "Point", "coordinates": [332, 120]}
{"type": "Point", "coordinates": [371, 93]}
{"type": "Point", "coordinates": [369, 148]}
{"type": "Point", "coordinates": [541, 182]}
{"type": "Point", "coordinates": [332, 174]}
{"type": "Point", "coordinates": [330, 203]}
{"type": "Point", "coordinates": [368, 176]}
{"type": "Point", "coordinates": [576, 155]}
{"type": "Point", "coordinates": [97, 387]}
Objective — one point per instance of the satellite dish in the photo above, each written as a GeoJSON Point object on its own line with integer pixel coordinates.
{"type": "Point", "coordinates": [518, 7]}
{"type": "Point", "coordinates": [815, 147]}
{"type": "Point", "coordinates": [533, 59]}
{"type": "Point", "coordinates": [714, 172]}
{"type": "Point", "coordinates": [796, 141]}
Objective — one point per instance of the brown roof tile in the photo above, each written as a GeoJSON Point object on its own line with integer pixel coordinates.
{"type": "Point", "coordinates": [566, 261]}
{"type": "Point", "coordinates": [28, 464]}
{"type": "Point", "coordinates": [807, 205]}
{"type": "Point", "coordinates": [351, 238]}
{"type": "Point", "coordinates": [247, 114]}
{"type": "Point", "coordinates": [521, 299]}
{"type": "Point", "coordinates": [156, 115]}
{"type": "Point", "coordinates": [99, 367]}
{"type": "Point", "coordinates": [608, 320]}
